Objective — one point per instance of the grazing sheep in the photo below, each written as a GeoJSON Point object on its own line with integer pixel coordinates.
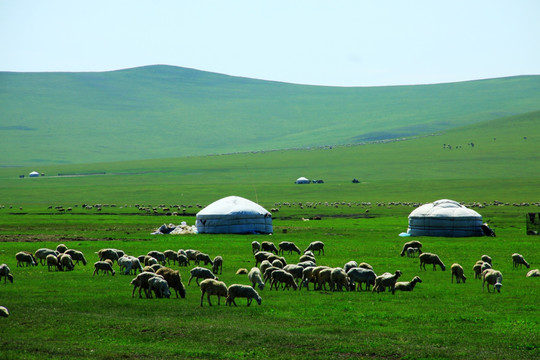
{"type": "Point", "coordinates": [315, 274]}
{"type": "Point", "coordinates": [362, 276]}
{"type": "Point", "coordinates": [4, 312]}
{"type": "Point", "coordinates": [458, 272]}
{"type": "Point", "coordinates": [104, 266]}
{"type": "Point", "coordinates": [141, 282]}
{"type": "Point", "coordinates": [324, 277]}
{"type": "Point", "coordinates": [411, 251]}
{"type": "Point", "coordinates": [174, 280]}
{"type": "Point", "coordinates": [260, 256]}
{"type": "Point", "coordinates": [242, 271]}
{"type": "Point", "coordinates": [387, 280]}
{"type": "Point", "coordinates": [255, 277]}
{"type": "Point", "coordinates": [307, 257]}
{"type": "Point", "coordinates": [411, 244]}
{"type": "Point", "coordinates": [213, 287]}
{"type": "Point", "coordinates": [268, 273]}
{"type": "Point", "coordinates": [42, 253]}
{"type": "Point", "coordinates": [288, 246]}
{"type": "Point", "coordinates": [492, 277]}
{"type": "Point", "coordinates": [135, 265]}
{"type": "Point", "coordinates": [52, 262]}
{"type": "Point", "coordinates": [217, 265]}
{"type": "Point", "coordinates": [307, 277]}
{"type": "Point", "coordinates": [23, 257]}
{"type": "Point", "coordinates": [156, 267]}
{"type": "Point", "coordinates": [338, 280]}
{"type": "Point", "coordinates": [534, 273]}
{"type": "Point", "coordinates": [270, 247]}
{"type": "Point", "coordinates": [110, 254]}
{"type": "Point", "coordinates": [349, 265]}
{"type": "Point", "coordinates": [265, 265]}
{"type": "Point", "coordinates": [201, 273]}
{"type": "Point", "coordinates": [295, 270]}
{"type": "Point", "coordinates": [61, 248]}
{"type": "Point", "coordinates": [5, 273]}
{"type": "Point", "coordinates": [518, 260]}
{"type": "Point", "coordinates": [486, 266]}
{"type": "Point", "coordinates": [66, 262]}
{"type": "Point", "coordinates": [159, 256]}
{"type": "Point", "coordinates": [171, 255]}
{"type": "Point", "coordinates": [255, 247]}
{"type": "Point", "coordinates": [282, 277]}
{"type": "Point", "coordinates": [408, 285]}
{"type": "Point", "coordinates": [272, 258]}
{"type": "Point", "coordinates": [76, 256]}
{"type": "Point", "coordinates": [203, 257]}
{"type": "Point", "coordinates": [125, 264]}
{"type": "Point", "coordinates": [428, 258]}
{"type": "Point", "coordinates": [477, 268]}
{"type": "Point", "coordinates": [309, 253]}
{"type": "Point", "coordinates": [243, 291]}
{"type": "Point", "coordinates": [486, 258]}
{"type": "Point", "coordinates": [192, 254]}
{"type": "Point", "coordinates": [315, 246]}
{"type": "Point", "coordinates": [183, 260]}
{"type": "Point", "coordinates": [148, 269]}
{"type": "Point", "coordinates": [159, 286]}
{"type": "Point", "coordinates": [149, 260]}
{"type": "Point", "coordinates": [278, 264]}
{"type": "Point", "coordinates": [306, 264]}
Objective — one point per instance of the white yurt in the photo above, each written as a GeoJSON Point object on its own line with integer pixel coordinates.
{"type": "Point", "coordinates": [33, 174]}
{"type": "Point", "coordinates": [234, 215]}
{"type": "Point", "coordinates": [446, 218]}
{"type": "Point", "coordinates": [302, 180]}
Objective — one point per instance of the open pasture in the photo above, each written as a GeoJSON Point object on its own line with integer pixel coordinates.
{"type": "Point", "coordinates": [66, 314]}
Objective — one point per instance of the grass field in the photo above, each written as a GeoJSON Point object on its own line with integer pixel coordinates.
{"type": "Point", "coordinates": [60, 315]}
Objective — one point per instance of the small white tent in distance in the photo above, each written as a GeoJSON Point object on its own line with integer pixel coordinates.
{"type": "Point", "coordinates": [234, 215]}
{"type": "Point", "coordinates": [446, 218]}
{"type": "Point", "coordinates": [33, 174]}
{"type": "Point", "coordinates": [302, 180]}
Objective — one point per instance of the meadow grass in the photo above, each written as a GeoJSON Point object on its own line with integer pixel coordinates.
{"type": "Point", "coordinates": [60, 315]}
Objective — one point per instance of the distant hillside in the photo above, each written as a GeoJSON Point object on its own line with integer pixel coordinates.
{"type": "Point", "coordinates": [162, 111]}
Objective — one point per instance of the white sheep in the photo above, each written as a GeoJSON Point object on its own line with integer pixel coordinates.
{"type": "Point", "coordinates": [408, 285]}
{"type": "Point", "coordinates": [486, 266]}
{"type": "Point", "coordinates": [534, 273]}
{"type": "Point", "coordinates": [362, 276]}
{"type": "Point", "coordinates": [42, 253]}
{"type": "Point", "coordinates": [339, 279]}
{"type": "Point", "coordinates": [26, 258]}
{"type": "Point", "coordinates": [265, 265]}
{"type": "Point", "coordinates": [315, 275]}
{"type": "Point", "coordinates": [269, 246]}
{"type": "Point", "coordinates": [159, 286]}
{"type": "Point", "coordinates": [492, 277]}
{"type": "Point", "coordinates": [217, 265]}
{"type": "Point", "coordinates": [288, 246]}
{"type": "Point", "coordinates": [213, 287]}
{"type": "Point", "coordinates": [203, 257]}
{"type": "Point", "coordinates": [260, 256]}
{"type": "Point", "coordinates": [255, 277]}
{"type": "Point", "coordinates": [349, 265]}
{"type": "Point", "coordinates": [411, 244]}
{"type": "Point", "coordinates": [307, 277]}
{"type": "Point", "coordinates": [61, 248]}
{"type": "Point", "coordinates": [458, 272]}
{"type": "Point", "coordinates": [255, 247]}
{"type": "Point", "coordinates": [192, 254]}
{"type": "Point", "coordinates": [411, 251]}
{"type": "Point", "coordinates": [307, 257]}
{"type": "Point", "coordinates": [315, 246]}
{"type": "Point", "coordinates": [243, 291]}
{"type": "Point", "coordinates": [104, 266]}
{"type": "Point", "coordinates": [428, 258]}
{"type": "Point", "coordinates": [5, 273]}
{"type": "Point", "coordinates": [295, 270]}
{"type": "Point", "coordinates": [76, 256]}
{"type": "Point", "coordinates": [477, 268]}
{"type": "Point", "coordinates": [323, 278]}
{"type": "Point", "coordinates": [111, 254]}
{"type": "Point", "coordinates": [282, 277]}
{"type": "Point", "coordinates": [158, 255]}
{"type": "Point", "coordinates": [519, 260]}
{"type": "Point", "coordinates": [171, 255]}
{"type": "Point", "coordinates": [201, 273]}
{"type": "Point", "coordinates": [277, 263]}
{"type": "Point", "coordinates": [125, 263]}
{"type": "Point", "coordinates": [183, 260]}
{"type": "Point", "coordinates": [4, 312]}
{"type": "Point", "coordinates": [66, 262]}
{"type": "Point", "coordinates": [52, 262]}
{"type": "Point", "coordinates": [268, 273]}
{"type": "Point", "coordinates": [486, 258]}
{"type": "Point", "coordinates": [387, 280]}
{"type": "Point", "coordinates": [141, 282]}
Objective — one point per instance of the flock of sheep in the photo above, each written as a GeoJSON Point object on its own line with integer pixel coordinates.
{"type": "Point", "coordinates": [156, 279]}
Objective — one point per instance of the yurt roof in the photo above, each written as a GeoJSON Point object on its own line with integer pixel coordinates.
{"type": "Point", "coordinates": [232, 205]}
{"type": "Point", "coordinates": [444, 208]}
{"type": "Point", "coordinates": [34, 173]}
{"type": "Point", "coordinates": [302, 179]}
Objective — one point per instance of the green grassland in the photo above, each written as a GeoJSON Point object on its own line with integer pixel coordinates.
{"type": "Point", "coordinates": [164, 112]}
{"type": "Point", "coordinates": [60, 315]}
{"type": "Point", "coordinates": [502, 165]}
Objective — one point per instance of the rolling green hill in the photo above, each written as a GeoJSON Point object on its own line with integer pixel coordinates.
{"type": "Point", "coordinates": [163, 112]}
{"type": "Point", "coordinates": [502, 165]}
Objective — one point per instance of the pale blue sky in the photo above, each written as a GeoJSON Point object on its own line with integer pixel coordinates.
{"type": "Point", "coordinates": [342, 43]}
